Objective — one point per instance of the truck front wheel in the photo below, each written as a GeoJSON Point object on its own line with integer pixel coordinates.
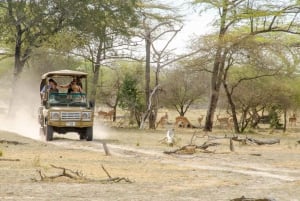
{"type": "Point", "coordinates": [89, 133]}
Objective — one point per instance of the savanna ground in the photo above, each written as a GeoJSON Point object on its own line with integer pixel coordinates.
{"type": "Point", "coordinates": [266, 171]}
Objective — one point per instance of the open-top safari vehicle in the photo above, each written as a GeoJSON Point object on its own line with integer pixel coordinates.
{"type": "Point", "coordinates": [63, 111]}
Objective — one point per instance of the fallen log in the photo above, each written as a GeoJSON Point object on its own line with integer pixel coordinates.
{"type": "Point", "coordinates": [191, 149]}
{"type": "Point", "coordinates": [8, 159]}
{"type": "Point", "coordinates": [262, 142]}
{"type": "Point", "coordinates": [255, 141]}
{"type": "Point", "coordinates": [113, 179]}
{"type": "Point", "coordinates": [78, 176]}
{"type": "Point", "coordinates": [3, 141]}
{"type": "Point", "coordinates": [243, 198]}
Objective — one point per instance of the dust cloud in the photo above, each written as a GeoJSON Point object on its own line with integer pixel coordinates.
{"type": "Point", "coordinates": [19, 106]}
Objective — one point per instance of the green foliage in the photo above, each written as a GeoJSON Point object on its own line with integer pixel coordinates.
{"type": "Point", "coordinates": [182, 88]}
{"type": "Point", "coordinates": [111, 79]}
{"type": "Point", "coordinates": [43, 61]}
{"type": "Point", "coordinates": [130, 96]}
{"type": "Point", "coordinates": [274, 114]}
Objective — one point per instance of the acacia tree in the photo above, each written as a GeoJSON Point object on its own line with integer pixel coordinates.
{"type": "Point", "coordinates": [102, 30]}
{"type": "Point", "coordinates": [159, 22]}
{"type": "Point", "coordinates": [112, 81]}
{"type": "Point", "coordinates": [26, 25]}
{"type": "Point", "coordinates": [263, 16]}
{"type": "Point", "coordinates": [180, 90]}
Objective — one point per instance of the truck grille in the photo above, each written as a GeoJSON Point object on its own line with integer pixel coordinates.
{"type": "Point", "coordinates": [70, 116]}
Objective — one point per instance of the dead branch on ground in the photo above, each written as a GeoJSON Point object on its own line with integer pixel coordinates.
{"type": "Point", "coordinates": [78, 175]}
{"type": "Point", "coordinates": [9, 159]}
{"type": "Point", "coordinates": [255, 141]}
{"type": "Point", "coordinates": [3, 141]}
{"type": "Point", "coordinates": [113, 179]}
{"type": "Point", "coordinates": [192, 147]}
{"type": "Point", "coordinates": [243, 198]}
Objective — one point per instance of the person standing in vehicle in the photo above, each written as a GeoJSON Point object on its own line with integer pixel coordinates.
{"type": "Point", "coordinates": [76, 81]}
{"type": "Point", "coordinates": [50, 86]}
{"type": "Point", "coordinates": [75, 88]}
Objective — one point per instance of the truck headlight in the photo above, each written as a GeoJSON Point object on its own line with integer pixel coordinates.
{"type": "Point", "coordinates": [86, 116]}
{"type": "Point", "coordinates": [54, 115]}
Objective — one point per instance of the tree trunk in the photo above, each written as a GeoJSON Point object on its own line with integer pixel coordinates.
{"type": "Point", "coordinates": [217, 72]}
{"type": "Point", "coordinates": [233, 109]}
{"type": "Point", "coordinates": [284, 119]}
{"type": "Point", "coordinates": [96, 69]}
{"type": "Point", "coordinates": [216, 80]}
{"type": "Point", "coordinates": [151, 116]}
{"type": "Point", "coordinates": [211, 111]}
{"type": "Point", "coordinates": [147, 69]}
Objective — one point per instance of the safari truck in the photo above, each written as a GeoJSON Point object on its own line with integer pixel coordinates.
{"type": "Point", "coordinates": [63, 110]}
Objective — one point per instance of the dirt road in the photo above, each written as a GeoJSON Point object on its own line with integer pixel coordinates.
{"type": "Point", "coordinates": [267, 171]}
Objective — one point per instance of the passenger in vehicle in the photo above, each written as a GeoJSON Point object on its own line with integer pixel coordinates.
{"type": "Point", "coordinates": [75, 80]}
{"type": "Point", "coordinates": [54, 88]}
{"type": "Point", "coordinates": [75, 88]}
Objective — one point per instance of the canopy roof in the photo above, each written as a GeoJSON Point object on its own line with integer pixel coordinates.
{"type": "Point", "coordinates": [64, 73]}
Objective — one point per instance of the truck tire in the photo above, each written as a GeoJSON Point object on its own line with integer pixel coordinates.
{"type": "Point", "coordinates": [89, 133]}
{"type": "Point", "coordinates": [82, 135]}
{"type": "Point", "coordinates": [49, 133]}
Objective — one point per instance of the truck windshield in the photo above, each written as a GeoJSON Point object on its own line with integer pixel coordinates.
{"type": "Point", "coordinates": [67, 99]}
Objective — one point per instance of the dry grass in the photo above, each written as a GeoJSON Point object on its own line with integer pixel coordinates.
{"type": "Point", "coordinates": [253, 171]}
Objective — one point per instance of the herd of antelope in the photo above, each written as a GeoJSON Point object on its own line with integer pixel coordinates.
{"type": "Point", "coordinates": [183, 122]}
{"type": "Point", "coordinates": [222, 121]}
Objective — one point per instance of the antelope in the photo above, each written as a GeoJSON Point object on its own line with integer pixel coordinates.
{"type": "Point", "coordinates": [163, 120]}
{"type": "Point", "coordinates": [293, 120]}
{"type": "Point", "coordinates": [183, 122]}
{"type": "Point", "coordinates": [200, 119]}
{"type": "Point", "coordinates": [102, 113]}
{"type": "Point", "coordinates": [223, 121]}
{"type": "Point", "coordinates": [106, 115]}
{"type": "Point", "coordinates": [110, 114]}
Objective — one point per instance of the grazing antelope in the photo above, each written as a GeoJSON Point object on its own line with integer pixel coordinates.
{"type": "Point", "coordinates": [110, 114]}
{"type": "Point", "coordinates": [163, 120]}
{"type": "Point", "coordinates": [102, 113]}
{"type": "Point", "coordinates": [183, 122]}
{"type": "Point", "coordinates": [224, 121]}
{"type": "Point", "coordinates": [200, 119]}
{"type": "Point", "coordinates": [106, 115]}
{"type": "Point", "coordinates": [293, 120]}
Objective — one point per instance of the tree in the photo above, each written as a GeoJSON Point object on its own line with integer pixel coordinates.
{"type": "Point", "coordinates": [159, 21]}
{"type": "Point", "coordinates": [26, 25]}
{"type": "Point", "coordinates": [131, 97]}
{"type": "Point", "coordinates": [180, 90]}
{"type": "Point", "coordinates": [112, 80]}
{"type": "Point", "coordinates": [264, 17]}
{"type": "Point", "coordinates": [103, 29]}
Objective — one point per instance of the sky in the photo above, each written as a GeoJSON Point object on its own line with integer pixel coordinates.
{"type": "Point", "coordinates": [195, 24]}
